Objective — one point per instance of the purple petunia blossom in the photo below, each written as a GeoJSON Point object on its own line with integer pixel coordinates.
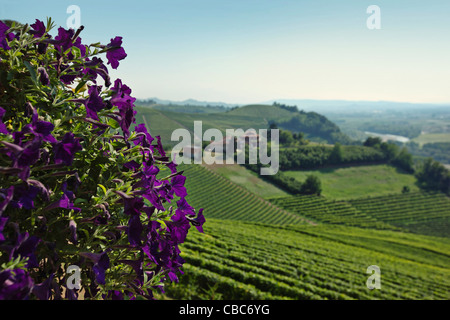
{"type": "Point", "coordinates": [64, 41]}
{"type": "Point", "coordinates": [43, 76]}
{"type": "Point", "coordinates": [179, 226]}
{"type": "Point", "coordinates": [96, 67]}
{"type": "Point", "coordinates": [101, 264]}
{"type": "Point", "coordinates": [15, 284]}
{"type": "Point", "coordinates": [4, 36]}
{"type": "Point", "coordinates": [143, 140]}
{"type": "Point", "coordinates": [38, 29]}
{"type": "Point", "coordinates": [24, 197]}
{"type": "Point", "coordinates": [94, 103]}
{"type": "Point", "coordinates": [178, 186]}
{"type": "Point", "coordinates": [115, 52]}
{"type": "Point", "coordinates": [25, 247]}
{"type": "Point", "coordinates": [43, 290]}
{"type": "Point", "coordinates": [65, 149]}
{"type": "Point", "coordinates": [2, 125]}
{"type": "Point", "coordinates": [159, 146]}
{"type": "Point", "coordinates": [184, 207]}
{"type": "Point", "coordinates": [134, 230]}
{"type": "Point", "coordinates": [6, 196]}
{"type": "Point", "coordinates": [199, 220]}
{"type": "Point", "coordinates": [3, 222]}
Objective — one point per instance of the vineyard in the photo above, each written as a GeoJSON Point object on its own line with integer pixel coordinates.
{"type": "Point", "coordinates": [258, 261]}
{"type": "Point", "coordinates": [223, 199]}
{"type": "Point", "coordinates": [320, 209]}
{"type": "Point", "coordinates": [255, 248]}
{"type": "Point", "coordinates": [419, 212]}
{"type": "Point", "coordinates": [426, 213]}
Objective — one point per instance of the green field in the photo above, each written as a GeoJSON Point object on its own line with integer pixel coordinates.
{"type": "Point", "coordinates": [248, 180]}
{"type": "Point", "coordinates": [254, 261]}
{"type": "Point", "coordinates": [359, 181]}
{"type": "Point", "coordinates": [432, 137]}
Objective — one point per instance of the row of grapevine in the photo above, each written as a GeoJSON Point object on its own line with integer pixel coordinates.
{"type": "Point", "coordinates": [427, 213]}
{"type": "Point", "coordinates": [310, 262]}
{"type": "Point", "coordinates": [223, 199]}
{"type": "Point", "coordinates": [329, 211]}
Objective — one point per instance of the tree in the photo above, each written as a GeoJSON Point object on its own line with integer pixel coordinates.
{"type": "Point", "coordinates": [372, 142]}
{"type": "Point", "coordinates": [404, 160]}
{"type": "Point", "coordinates": [312, 185]}
{"type": "Point", "coordinates": [337, 154]}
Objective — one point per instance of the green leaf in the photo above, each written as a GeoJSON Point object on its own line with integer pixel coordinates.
{"type": "Point", "coordinates": [31, 71]}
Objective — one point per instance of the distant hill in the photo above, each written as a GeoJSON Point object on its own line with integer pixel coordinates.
{"type": "Point", "coordinates": [164, 121]}
{"type": "Point", "coordinates": [188, 102]}
{"type": "Point", "coordinates": [349, 106]}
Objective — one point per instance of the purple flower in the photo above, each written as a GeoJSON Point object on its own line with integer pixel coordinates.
{"type": "Point", "coordinates": [101, 264]}
{"type": "Point", "coordinates": [115, 52]}
{"type": "Point", "coordinates": [122, 99]}
{"type": "Point", "coordinates": [134, 230]}
{"type": "Point", "coordinates": [4, 36]}
{"type": "Point", "coordinates": [65, 149]}
{"type": "Point", "coordinates": [2, 125]}
{"type": "Point", "coordinates": [43, 290]}
{"type": "Point", "coordinates": [43, 76]}
{"type": "Point", "coordinates": [73, 232]}
{"type": "Point", "coordinates": [25, 247]}
{"type": "Point", "coordinates": [6, 196]}
{"type": "Point", "coordinates": [199, 221]}
{"type": "Point", "coordinates": [179, 226]}
{"type": "Point", "coordinates": [94, 103]}
{"type": "Point", "coordinates": [65, 202]}
{"type": "Point", "coordinates": [15, 284]}
{"type": "Point", "coordinates": [96, 67]}
{"type": "Point", "coordinates": [3, 222]}
{"type": "Point", "coordinates": [184, 207]}
{"type": "Point", "coordinates": [159, 147]}
{"type": "Point", "coordinates": [24, 197]}
{"type": "Point", "coordinates": [178, 186]}
{"type": "Point", "coordinates": [37, 127]}
{"type": "Point", "coordinates": [38, 29]}
{"type": "Point", "coordinates": [144, 140]}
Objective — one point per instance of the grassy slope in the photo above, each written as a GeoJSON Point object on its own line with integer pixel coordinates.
{"type": "Point", "coordinates": [359, 181]}
{"type": "Point", "coordinates": [248, 180]}
{"type": "Point", "coordinates": [163, 122]}
{"type": "Point", "coordinates": [432, 137]}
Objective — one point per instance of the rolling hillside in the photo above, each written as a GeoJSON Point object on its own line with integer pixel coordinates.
{"type": "Point", "coordinates": [164, 122]}
{"type": "Point", "coordinates": [255, 261]}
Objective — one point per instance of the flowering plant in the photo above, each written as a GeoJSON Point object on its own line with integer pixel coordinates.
{"type": "Point", "coordinates": [78, 185]}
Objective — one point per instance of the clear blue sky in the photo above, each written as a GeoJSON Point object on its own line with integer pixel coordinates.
{"type": "Point", "coordinates": [243, 51]}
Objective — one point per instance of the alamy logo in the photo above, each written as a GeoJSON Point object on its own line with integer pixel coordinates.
{"type": "Point", "coordinates": [222, 149]}
{"type": "Point", "coordinates": [374, 20]}
{"type": "Point", "coordinates": [374, 281]}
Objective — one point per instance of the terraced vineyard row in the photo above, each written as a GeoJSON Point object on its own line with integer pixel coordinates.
{"type": "Point", "coordinates": [223, 199]}
{"type": "Point", "coordinates": [329, 211]}
{"type": "Point", "coordinates": [427, 213]}
{"type": "Point", "coordinates": [255, 261]}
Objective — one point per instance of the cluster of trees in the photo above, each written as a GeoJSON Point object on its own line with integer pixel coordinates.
{"type": "Point", "coordinates": [393, 153]}
{"type": "Point", "coordinates": [315, 125]}
{"type": "Point", "coordinates": [373, 151]}
{"type": "Point", "coordinates": [439, 151]}
{"type": "Point", "coordinates": [288, 138]}
{"type": "Point", "coordinates": [285, 107]}
{"type": "Point", "coordinates": [432, 175]}
{"type": "Point", "coordinates": [311, 157]}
